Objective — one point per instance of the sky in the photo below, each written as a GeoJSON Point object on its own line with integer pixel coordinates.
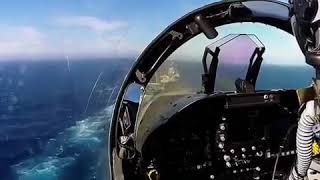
{"type": "Point", "coordinates": [37, 29]}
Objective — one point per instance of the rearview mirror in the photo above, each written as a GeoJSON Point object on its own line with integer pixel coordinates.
{"type": "Point", "coordinates": [237, 10]}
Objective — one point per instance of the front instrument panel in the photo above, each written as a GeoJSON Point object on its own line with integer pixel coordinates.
{"type": "Point", "coordinates": [226, 136]}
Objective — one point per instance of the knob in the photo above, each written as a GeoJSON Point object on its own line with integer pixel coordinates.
{"type": "Point", "coordinates": [226, 158]}
{"type": "Point", "coordinates": [222, 138]}
{"type": "Point", "coordinates": [243, 149]}
{"type": "Point", "coordinates": [253, 148]}
{"type": "Point", "coordinates": [224, 118]}
{"type": "Point", "coordinates": [258, 168]}
{"type": "Point", "coordinates": [221, 145]}
{"type": "Point", "coordinates": [259, 154]}
{"type": "Point", "coordinates": [232, 151]}
{"type": "Point", "coordinates": [222, 127]}
{"type": "Point", "coordinates": [243, 156]}
{"type": "Point", "coordinates": [228, 164]}
{"type": "Point", "coordinates": [234, 171]}
{"type": "Point", "coordinates": [211, 176]}
{"type": "Point", "coordinates": [268, 155]}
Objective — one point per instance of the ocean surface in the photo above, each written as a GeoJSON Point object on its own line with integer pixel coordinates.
{"type": "Point", "coordinates": [54, 117]}
{"type": "Point", "coordinates": [55, 114]}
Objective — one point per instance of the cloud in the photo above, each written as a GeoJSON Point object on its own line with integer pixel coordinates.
{"type": "Point", "coordinates": [118, 45]}
{"type": "Point", "coordinates": [28, 42]}
{"type": "Point", "coordinates": [92, 23]}
{"type": "Point", "coordinates": [31, 33]}
{"type": "Point", "coordinates": [286, 53]}
{"type": "Point", "coordinates": [97, 42]}
{"type": "Point", "coordinates": [20, 41]}
{"type": "Point", "coordinates": [25, 32]}
{"type": "Point", "coordinates": [102, 46]}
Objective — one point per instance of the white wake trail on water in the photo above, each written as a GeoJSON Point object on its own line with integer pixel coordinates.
{"type": "Point", "coordinates": [87, 138]}
{"type": "Point", "coordinates": [94, 86]}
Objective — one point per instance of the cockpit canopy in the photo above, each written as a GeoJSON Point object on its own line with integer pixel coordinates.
{"type": "Point", "coordinates": [225, 47]}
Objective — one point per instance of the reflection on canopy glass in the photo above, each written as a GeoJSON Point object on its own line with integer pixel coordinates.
{"type": "Point", "coordinates": [234, 59]}
{"type": "Point", "coordinates": [181, 72]}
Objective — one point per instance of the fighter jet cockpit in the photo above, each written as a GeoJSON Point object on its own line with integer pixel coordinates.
{"type": "Point", "coordinates": [215, 99]}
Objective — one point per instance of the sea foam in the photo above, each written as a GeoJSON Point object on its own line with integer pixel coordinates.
{"type": "Point", "coordinates": [78, 152]}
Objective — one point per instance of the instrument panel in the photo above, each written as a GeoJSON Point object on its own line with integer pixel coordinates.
{"type": "Point", "coordinates": [229, 136]}
{"type": "Point", "coordinates": [249, 139]}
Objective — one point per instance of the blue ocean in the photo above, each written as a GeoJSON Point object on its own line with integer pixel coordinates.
{"type": "Point", "coordinates": [54, 117]}
{"type": "Point", "coordinates": [55, 114]}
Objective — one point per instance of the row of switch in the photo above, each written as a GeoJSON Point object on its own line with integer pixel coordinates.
{"type": "Point", "coordinates": [286, 153]}
{"type": "Point", "coordinates": [258, 169]}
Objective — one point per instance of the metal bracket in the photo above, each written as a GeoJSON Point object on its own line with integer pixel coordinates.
{"type": "Point", "coordinates": [176, 35]}
{"type": "Point", "coordinates": [193, 28]}
{"type": "Point", "coordinates": [141, 76]}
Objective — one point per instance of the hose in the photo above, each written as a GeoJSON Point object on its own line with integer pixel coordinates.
{"type": "Point", "coordinates": [275, 165]}
{"type": "Point", "coordinates": [304, 140]}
